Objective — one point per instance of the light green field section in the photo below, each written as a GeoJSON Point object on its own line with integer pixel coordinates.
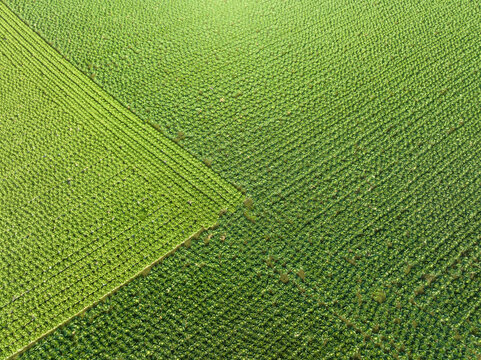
{"type": "Point", "coordinates": [89, 194]}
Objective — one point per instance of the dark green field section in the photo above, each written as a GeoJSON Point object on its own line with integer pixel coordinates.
{"type": "Point", "coordinates": [354, 127]}
{"type": "Point", "coordinates": [89, 194]}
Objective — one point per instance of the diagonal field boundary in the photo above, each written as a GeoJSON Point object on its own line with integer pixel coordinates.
{"type": "Point", "coordinates": [90, 195]}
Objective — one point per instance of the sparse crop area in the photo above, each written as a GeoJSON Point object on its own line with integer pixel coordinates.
{"type": "Point", "coordinates": [344, 135]}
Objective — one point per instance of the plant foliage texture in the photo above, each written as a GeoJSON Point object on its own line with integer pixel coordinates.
{"type": "Point", "coordinates": [353, 127]}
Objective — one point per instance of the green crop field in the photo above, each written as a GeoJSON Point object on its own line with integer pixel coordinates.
{"type": "Point", "coordinates": [343, 136]}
